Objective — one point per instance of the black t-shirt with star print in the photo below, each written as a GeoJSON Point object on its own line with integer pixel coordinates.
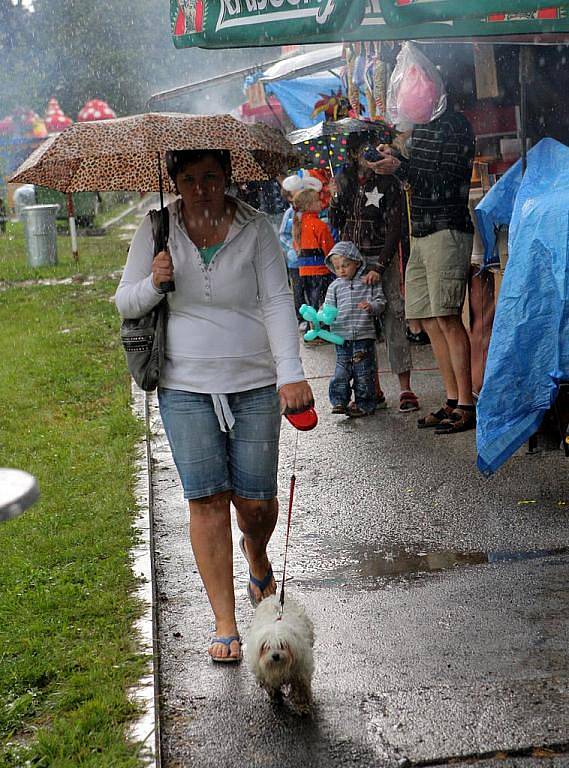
{"type": "Point", "coordinates": [367, 211]}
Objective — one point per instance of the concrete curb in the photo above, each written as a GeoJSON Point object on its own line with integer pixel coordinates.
{"type": "Point", "coordinates": [146, 730]}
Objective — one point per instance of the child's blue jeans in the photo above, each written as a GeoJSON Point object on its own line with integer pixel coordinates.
{"type": "Point", "coordinates": [355, 367]}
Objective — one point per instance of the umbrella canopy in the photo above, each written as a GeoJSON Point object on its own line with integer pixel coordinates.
{"type": "Point", "coordinates": [326, 143]}
{"type": "Point", "coordinates": [121, 154]}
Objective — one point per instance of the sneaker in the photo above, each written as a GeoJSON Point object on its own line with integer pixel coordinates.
{"type": "Point", "coordinates": [340, 409]}
{"type": "Point", "coordinates": [381, 403]}
{"type": "Point", "coordinates": [355, 412]}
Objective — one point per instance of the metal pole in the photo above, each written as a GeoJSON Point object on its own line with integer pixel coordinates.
{"type": "Point", "coordinates": [72, 227]}
{"type": "Point", "coordinates": [524, 76]}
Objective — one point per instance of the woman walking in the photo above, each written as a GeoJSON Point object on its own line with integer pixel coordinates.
{"type": "Point", "coordinates": [232, 366]}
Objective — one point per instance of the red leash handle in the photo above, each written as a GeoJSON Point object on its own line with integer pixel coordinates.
{"type": "Point", "coordinates": [290, 503]}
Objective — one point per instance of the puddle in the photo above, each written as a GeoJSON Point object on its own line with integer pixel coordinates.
{"type": "Point", "coordinates": [379, 565]}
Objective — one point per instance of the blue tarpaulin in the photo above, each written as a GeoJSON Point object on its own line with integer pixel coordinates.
{"type": "Point", "coordinates": [529, 349]}
{"type": "Point", "coordinates": [299, 95]}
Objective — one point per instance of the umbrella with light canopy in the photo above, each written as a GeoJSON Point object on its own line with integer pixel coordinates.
{"type": "Point", "coordinates": [128, 153]}
{"type": "Point", "coordinates": [325, 145]}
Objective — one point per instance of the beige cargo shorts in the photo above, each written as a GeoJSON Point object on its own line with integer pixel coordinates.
{"type": "Point", "coordinates": [437, 274]}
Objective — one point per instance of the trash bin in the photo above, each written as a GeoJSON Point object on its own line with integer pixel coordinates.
{"type": "Point", "coordinates": [41, 234]}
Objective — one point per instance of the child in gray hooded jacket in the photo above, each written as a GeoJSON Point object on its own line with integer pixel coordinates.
{"type": "Point", "coordinates": [357, 304]}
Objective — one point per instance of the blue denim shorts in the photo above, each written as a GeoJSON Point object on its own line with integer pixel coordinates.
{"type": "Point", "coordinates": [244, 460]}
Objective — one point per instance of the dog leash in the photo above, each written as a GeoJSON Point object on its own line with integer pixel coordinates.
{"type": "Point", "coordinates": [290, 505]}
{"type": "Point", "coordinates": [302, 420]}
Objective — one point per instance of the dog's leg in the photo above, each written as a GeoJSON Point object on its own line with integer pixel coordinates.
{"type": "Point", "coordinates": [274, 694]}
{"type": "Point", "coordinates": [301, 696]}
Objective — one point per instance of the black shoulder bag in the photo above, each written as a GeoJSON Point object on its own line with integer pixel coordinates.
{"type": "Point", "coordinates": [144, 339]}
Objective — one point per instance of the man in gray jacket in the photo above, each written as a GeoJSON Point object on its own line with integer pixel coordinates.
{"type": "Point", "coordinates": [357, 303]}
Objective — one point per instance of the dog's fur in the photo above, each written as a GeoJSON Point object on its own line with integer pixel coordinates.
{"type": "Point", "coordinates": [279, 653]}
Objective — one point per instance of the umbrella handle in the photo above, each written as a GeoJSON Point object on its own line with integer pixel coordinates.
{"type": "Point", "coordinates": [168, 286]}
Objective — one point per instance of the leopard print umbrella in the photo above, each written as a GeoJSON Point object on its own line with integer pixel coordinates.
{"type": "Point", "coordinates": [121, 154]}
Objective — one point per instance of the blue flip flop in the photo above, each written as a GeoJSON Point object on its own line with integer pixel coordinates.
{"type": "Point", "coordinates": [261, 584]}
{"type": "Point", "coordinates": [227, 642]}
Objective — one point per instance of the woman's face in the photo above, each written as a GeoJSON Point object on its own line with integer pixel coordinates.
{"type": "Point", "coordinates": [202, 184]}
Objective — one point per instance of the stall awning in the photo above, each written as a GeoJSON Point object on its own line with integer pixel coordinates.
{"type": "Point", "coordinates": [325, 58]}
{"type": "Point", "coordinates": [321, 60]}
{"type": "Point", "coordinates": [244, 23]}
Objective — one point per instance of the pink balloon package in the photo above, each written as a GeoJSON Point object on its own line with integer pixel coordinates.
{"type": "Point", "coordinates": [416, 93]}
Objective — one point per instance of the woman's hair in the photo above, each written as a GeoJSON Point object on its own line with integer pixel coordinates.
{"type": "Point", "coordinates": [302, 201]}
{"type": "Point", "coordinates": [296, 229]}
{"type": "Point", "coordinates": [178, 159]}
{"type": "Point", "coordinates": [305, 199]}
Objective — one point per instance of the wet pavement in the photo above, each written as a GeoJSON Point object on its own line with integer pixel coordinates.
{"type": "Point", "coordinates": [439, 598]}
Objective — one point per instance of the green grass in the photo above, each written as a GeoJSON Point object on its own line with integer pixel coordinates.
{"type": "Point", "coordinates": [67, 648]}
{"type": "Point", "coordinates": [97, 256]}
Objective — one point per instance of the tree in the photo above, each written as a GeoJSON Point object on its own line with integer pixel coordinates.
{"type": "Point", "coordinates": [16, 37]}
{"type": "Point", "coordinates": [81, 49]}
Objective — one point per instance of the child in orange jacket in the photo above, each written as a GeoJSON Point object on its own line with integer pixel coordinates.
{"type": "Point", "coordinates": [313, 241]}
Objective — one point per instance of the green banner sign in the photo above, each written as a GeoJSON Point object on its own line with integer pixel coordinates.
{"type": "Point", "coordinates": [245, 23]}
{"type": "Point", "coordinates": [251, 23]}
{"type": "Point", "coordinates": [397, 13]}
{"type": "Point", "coordinates": [500, 22]}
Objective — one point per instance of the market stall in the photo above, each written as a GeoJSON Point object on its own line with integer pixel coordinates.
{"type": "Point", "coordinates": [505, 60]}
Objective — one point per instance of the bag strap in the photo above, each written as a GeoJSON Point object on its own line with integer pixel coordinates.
{"type": "Point", "coordinates": [159, 234]}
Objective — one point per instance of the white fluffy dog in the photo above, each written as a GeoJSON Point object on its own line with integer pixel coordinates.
{"type": "Point", "coordinates": [279, 651]}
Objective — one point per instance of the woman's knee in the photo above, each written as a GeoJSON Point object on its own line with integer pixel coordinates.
{"type": "Point", "coordinates": [255, 510]}
{"type": "Point", "coordinates": [217, 502]}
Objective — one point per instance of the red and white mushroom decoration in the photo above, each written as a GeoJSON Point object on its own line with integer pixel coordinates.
{"type": "Point", "coordinates": [7, 126]}
{"type": "Point", "coordinates": [95, 109]}
{"type": "Point", "coordinates": [55, 119]}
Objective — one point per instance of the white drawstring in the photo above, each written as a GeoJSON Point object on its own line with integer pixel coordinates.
{"type": "Point", "coordinates": [223, 412]}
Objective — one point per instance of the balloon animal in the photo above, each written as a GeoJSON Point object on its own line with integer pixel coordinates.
{"type": "Point", "coordinates": [326, 315]}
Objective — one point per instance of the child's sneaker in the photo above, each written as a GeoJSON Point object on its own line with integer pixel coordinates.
{"type": "Point", "coordinates": [340, 409]}
{"type": "Point", "coordinates": [381, 403]}
{"type": "Point", "coordinates": [355, 412]}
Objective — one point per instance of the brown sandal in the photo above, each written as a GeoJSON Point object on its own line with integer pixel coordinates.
{"type": "Point", "coordinates": [458, 421]}
{"type": "Point", "coordinates": [434, 419]}
{"type": "Point", "coordinates": [408, 401]}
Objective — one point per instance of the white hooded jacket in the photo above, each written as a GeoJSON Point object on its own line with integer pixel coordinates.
{"type": "Point", "coordinates": [231, 325]}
